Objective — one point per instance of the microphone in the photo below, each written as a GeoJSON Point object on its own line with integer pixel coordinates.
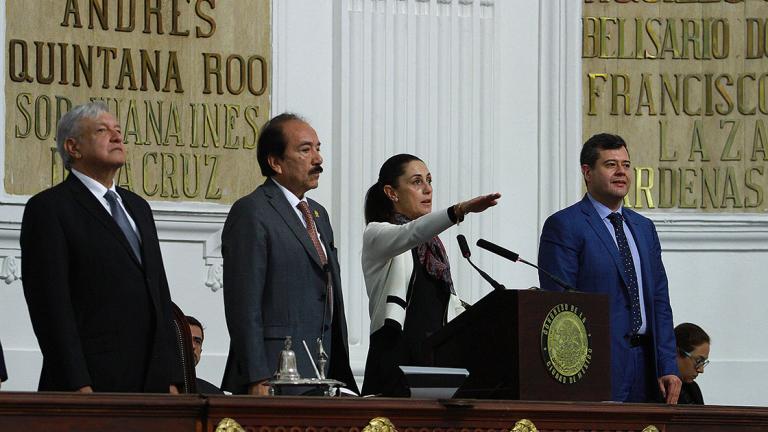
{"type": "Point", "coordinates": [498, 250]}
{"type": "Point", "coordinates": [463, 246]}
{"type": "Point", "coordinates": [508, 254]}
{"type": "Point", "coordinates": [466, 254]}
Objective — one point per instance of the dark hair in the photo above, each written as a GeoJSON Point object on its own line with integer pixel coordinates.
{"type": "Point", "coordinates": [272, 141]}
{"type": "Point", "coordinates": [379, 208]}
{"type": "Point", "coordinates": [194, 322]}
{"type": "Point", "coordinates": [603, 141]}
{"type": "Point", "coordinates": [689, 336]}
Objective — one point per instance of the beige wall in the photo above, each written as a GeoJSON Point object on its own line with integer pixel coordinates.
{"type": "Point", "coordinates": [189, 83]}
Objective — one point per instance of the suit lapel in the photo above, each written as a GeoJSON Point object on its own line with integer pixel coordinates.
{"type": "Point", "coordinates": [598, 226]}
{"type": "Point", "coordinates": [144, 226]}
{"type": "Point", "coordinates": [86, 199]}
{"type": "Point", "coordinates": [283, 208]}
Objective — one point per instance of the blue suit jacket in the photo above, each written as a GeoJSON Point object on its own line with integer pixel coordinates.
{"type": "Point", "coordinates": [577, 247]}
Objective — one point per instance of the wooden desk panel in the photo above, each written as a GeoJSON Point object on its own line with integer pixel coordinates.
{"type": "Point", "coordinates": [296, 414]}
{"type": "Point", "coordinates": [100, 412]}
{"type": "Point", "coordinates": [60, 412]}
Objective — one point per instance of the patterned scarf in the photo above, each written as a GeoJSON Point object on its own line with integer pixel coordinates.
{"type": "Point", "coordinates": [432, 256]}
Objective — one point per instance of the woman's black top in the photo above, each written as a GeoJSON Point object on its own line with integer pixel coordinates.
{"type": "Point", "coordinates": [690, 394]}
{"type": "Point", "coordinates": [392, 347]}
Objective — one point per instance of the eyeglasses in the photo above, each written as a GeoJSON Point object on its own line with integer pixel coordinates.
{"type": "Point", "coordinates": [699, 362]}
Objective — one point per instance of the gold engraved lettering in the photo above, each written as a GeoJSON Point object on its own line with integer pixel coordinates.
{"type": "Point", "coordinates": [23, 100]}
{"type": "Point", "coordinates": [644, 188]}
{"type": "Point", "coordinates": [754, 186]}
{"type": "Point", "coordinates": [212, 191]}
{"type": "Point", "coordinates": [735, 127]}
{"type": "Point", "coordinates": [168, 171]}
{"type": "Point", "coordinates": [697, 147]}
{"type": "Point", "coordinates": [191, 175]}
{"type": "Point", "coordinates": [149, 190]}
{"type": "Point", "coordinates": [686, 188]}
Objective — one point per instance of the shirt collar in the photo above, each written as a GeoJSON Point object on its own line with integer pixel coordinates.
{"type": "Point", "coordinates": [94, 186]}
{"type": "Point", "coordinates": [293, 200]}
{"type": "Point", "coordinates": [601, 209]}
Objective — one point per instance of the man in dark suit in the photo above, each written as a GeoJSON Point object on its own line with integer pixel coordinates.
{"type": "Point", "coordinates": [596, 245]}
{"type": "Point", "coordinates": [198, 336]}
{"type": "Point", "coordinates": [92, 271]}
{"type": "Point", "coordinates": [281, 271]}
{"type": "Point", "coordinates": [3, 373]}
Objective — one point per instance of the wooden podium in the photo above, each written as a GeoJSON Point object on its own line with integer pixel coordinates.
{"type": "Point", "coordinates": [499, 340]}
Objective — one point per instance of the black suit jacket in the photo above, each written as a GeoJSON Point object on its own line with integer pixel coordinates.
{"type": "Point", "coordinates": [204, 387]}
{"type": "Point", "coordinates": [275, 286]}
{"type": "Point", "coordinates": [101, 318]}
{"type": "Point", "coordinates": [690, 394]}
{"type": "Point", "coordinates": [3, 373]}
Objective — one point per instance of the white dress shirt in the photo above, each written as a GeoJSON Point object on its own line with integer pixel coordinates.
{"type": "Point", "coordinates": [98, 190]}
{"type": "Point", "coordinates": [294, 201]}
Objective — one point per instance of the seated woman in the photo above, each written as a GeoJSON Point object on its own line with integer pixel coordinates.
{"type": "Point", "coordinates": [407, 275]}
{"type": "Point", "coordinates": [692, 358]}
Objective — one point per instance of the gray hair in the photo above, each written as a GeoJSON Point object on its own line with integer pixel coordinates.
{"type": "Point", "coordinates": [69, 126]}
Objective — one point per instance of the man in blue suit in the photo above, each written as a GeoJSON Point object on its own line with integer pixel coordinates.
{"type": "Point", "coordinates": [596, 245]}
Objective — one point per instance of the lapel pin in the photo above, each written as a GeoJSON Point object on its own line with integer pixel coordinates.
{"type": "Point", "coordinates": [317, 214]}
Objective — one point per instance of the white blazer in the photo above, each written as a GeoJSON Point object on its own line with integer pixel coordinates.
{"type": "Point", "coordinates": [388, 265]}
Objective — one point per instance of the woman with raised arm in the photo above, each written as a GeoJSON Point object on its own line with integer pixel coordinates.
{"type": "Point", "coordinates": [407, 274]}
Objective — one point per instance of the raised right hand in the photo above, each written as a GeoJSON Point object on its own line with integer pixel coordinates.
{"type": "Point", "coordinates": [481, 203]}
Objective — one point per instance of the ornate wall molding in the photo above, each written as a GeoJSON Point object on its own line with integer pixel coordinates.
{"type": "Point", "coordinates": [10, 270]}
{"type": "Point", "coordinates": [215, 279]}
{"type": "Point", "coordinates": [711, 233]}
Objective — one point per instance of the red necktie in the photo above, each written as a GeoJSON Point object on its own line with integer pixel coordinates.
{"type": "Point", "coordinates": [312, 231]}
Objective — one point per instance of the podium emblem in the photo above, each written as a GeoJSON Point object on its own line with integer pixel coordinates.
{"type": "Point", "coordinates": [566, 344]}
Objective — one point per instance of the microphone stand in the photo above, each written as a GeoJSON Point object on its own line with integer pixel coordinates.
{"type": "Point", "coordinates": [467, 254]}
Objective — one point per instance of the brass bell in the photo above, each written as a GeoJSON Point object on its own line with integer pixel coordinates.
{"type": "Point", "coordinates": [287, 369]}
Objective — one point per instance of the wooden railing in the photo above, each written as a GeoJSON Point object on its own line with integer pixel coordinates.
{"type": "Point", "coordinates": [53, 412]}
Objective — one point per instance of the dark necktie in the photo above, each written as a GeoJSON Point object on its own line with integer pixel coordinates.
{"type": "Point", "coordinates": [122, 221]}
{"type": "Point", "coordinates": [312, 231]}
{"type": "Point", "coordinates": [629, 269]}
